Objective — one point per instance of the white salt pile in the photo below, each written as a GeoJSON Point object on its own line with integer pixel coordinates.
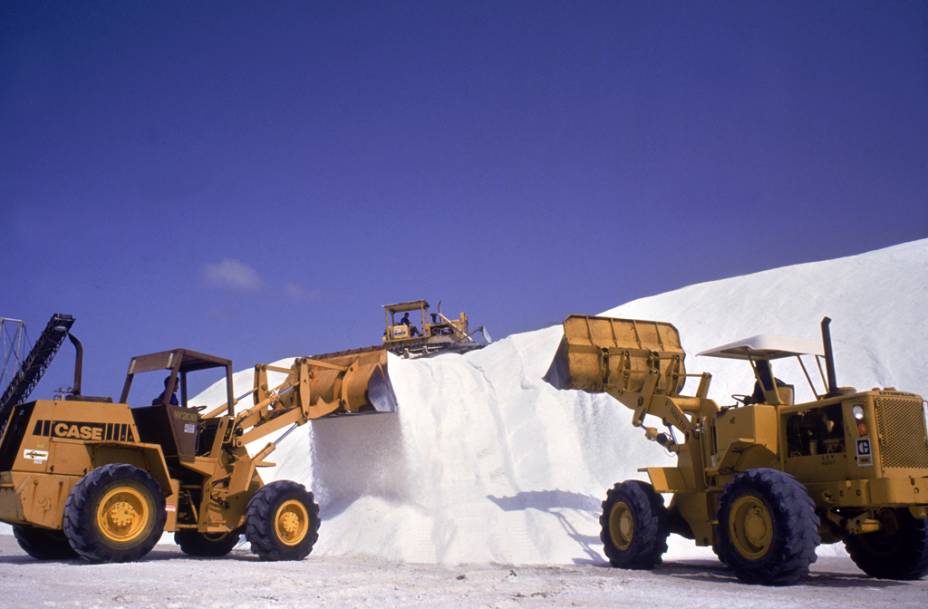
{"type": "Point", "coordinates": [485, 462]}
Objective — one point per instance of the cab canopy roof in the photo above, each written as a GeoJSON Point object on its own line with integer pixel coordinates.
{"type": "Point", "coordinates": [765, 347]}
{"type": "Point", "coordinates": [165, 360]}
{"type": "Point", "coordinates": [412, 305]}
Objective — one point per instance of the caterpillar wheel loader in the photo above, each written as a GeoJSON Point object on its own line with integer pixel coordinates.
{"type": "Point", "coordinates": [85, 476]}
{"type": "Point", "coordinates": [765, 480]}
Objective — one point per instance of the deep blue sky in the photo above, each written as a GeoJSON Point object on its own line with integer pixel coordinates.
{"type": "Point", "coordinates": [256, 179]}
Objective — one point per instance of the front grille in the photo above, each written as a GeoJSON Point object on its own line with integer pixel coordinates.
{"type": "Point", "coordinates": [902, 432]}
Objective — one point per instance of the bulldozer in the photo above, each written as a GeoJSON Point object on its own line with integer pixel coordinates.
{"type": "Point", "coordinates": [433, 333]}
{"type": "Point", "coordinates": [84, 476]}
{"type": "Point", "coordinates": [765, 480]}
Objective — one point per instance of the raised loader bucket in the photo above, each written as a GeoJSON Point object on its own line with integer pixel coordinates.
{"type": "Point", "coordinates": [600, 354]}
{"type": "Point", "coordinates": [359, 380]}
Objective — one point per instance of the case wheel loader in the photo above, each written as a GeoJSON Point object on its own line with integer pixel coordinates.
{"type": "Point", "coordinates": [765, 480]}
{"type": "Point", "coordinates": [87, 477]}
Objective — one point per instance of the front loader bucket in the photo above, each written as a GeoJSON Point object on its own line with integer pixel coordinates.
{"type": "Point", "coordinates": [600, 354]}
{"type": "Point", "coordinates": [359, 381]}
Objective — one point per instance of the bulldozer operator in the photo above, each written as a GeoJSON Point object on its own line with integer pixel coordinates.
{"type": "Point", "coordinates": [413, 330]}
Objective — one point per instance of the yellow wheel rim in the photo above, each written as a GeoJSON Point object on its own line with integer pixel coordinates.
{"type": "Point", "coordinates": [291, 522]}
{"type": "Point", "coordinates": [621, 525]}
{"type": "Point", "coordinates": [123, 514]}
{"type": "Point", "coordinates": [750, 527]}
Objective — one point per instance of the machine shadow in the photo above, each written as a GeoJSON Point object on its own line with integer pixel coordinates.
{"type": "Point", "coordinates": [716, 572]}
{"type": "Point", "coordinates": [24, 559]}
{"type": "Point", "coordinates": [552, 502]}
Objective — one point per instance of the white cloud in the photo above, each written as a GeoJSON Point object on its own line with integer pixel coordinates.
{"type": "Point", "coordinates": [297, 292]}
{"type": "Point", "coordinates": [231, 273]}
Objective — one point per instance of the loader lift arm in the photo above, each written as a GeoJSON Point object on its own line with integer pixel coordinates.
{"type": "Point", "coordinates": [312, 388]}
{"type": "Point", "coordinates": [299, 398]}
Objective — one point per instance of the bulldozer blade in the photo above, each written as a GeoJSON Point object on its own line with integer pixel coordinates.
{"type": "Point", "coordinates": [597, 353]}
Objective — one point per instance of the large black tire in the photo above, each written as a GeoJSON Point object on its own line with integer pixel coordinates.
{"type": "Point", "coordinates": [634, 526]}
{"type": "Point", "coordinates": [718, 554]}
{"type": "Point", "coordinates": [195, 543]}
{"type": "Point", "coordinates": [898, 551]}
{"type": "Point", "coordinates": [768, 529]}
{"type": "Point", "coordinates": [114, 514]}
{"type": "Point", "coordinates": [282, 521]}
{"type": "Point", "coordinates": [43, 544]}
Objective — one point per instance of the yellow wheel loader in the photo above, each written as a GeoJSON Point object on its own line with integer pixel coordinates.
{"type": "Point", "coordinates": [85, 476]}
{"type": "Point", "coordinates": [765, 480]}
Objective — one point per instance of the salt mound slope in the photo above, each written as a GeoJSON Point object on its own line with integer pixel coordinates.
{"type": "Point", "coordinates": [485, 462]}
{"type": "Point", "coordinates": [877, 301]}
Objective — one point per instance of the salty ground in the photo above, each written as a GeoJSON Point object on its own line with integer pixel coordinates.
{"type": "Point", "coordinates": [167, 579]}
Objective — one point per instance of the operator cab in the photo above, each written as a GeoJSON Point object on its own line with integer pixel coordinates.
{"type": "Point", "coordinates": [178, 429]}
{"type": "Point", "coordinates": [813, 429]}
{"type": "Point", "coordinates": [760, 351]}
{"type": "Point", "coordinates": [406, 320]}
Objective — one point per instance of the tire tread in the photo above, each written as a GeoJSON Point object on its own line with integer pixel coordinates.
{"type": "Point", "coordinates": [194, 543]}
{"type": "Point", "coordinates": [907, 561]}
{"type": "Point", "coordinates": [78, 523]}
{"type": "Point", "coordinates": [796, 528]}
{"type": "Point", "coordinates": [259, 516]}
{"type": "Point", "coordinates": [652, 526]}
{"type": "Point", "coordinates": [43, 544]}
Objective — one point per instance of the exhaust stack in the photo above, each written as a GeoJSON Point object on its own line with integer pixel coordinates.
{"type": "Point", "coordinates": [78, 364]}
{"type": "Point", "coordinates": [829, 357]}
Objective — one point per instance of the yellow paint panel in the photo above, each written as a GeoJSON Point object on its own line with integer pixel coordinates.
{"type": "Point", "coordinates": [756, 423]}
{"type": "Point", "coordinates": [666, 479]}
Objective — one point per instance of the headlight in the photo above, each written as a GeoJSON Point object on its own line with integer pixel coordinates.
{"type": "Point", "coordinates": [858, 411]}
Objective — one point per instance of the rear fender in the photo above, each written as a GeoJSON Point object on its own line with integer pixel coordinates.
{"type": "Point", "coordinates": [38, 498]}
{"type": "Point", "coordinates": [147, 457]}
